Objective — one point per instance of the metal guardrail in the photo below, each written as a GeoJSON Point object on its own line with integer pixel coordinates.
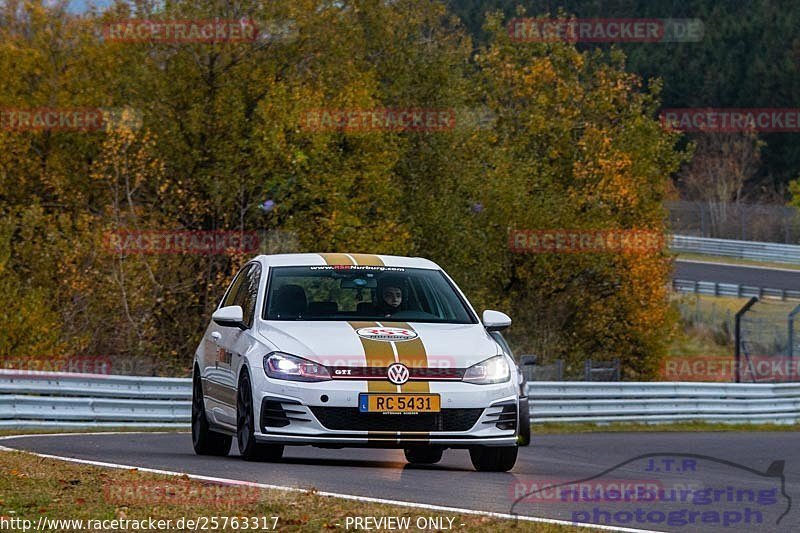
{"type": "Point", "coordinates": [664, 402]}
{"type": "Point", "coordinates": [752, 250]}
{"type": "Point", "coordinates": [64, 401]}
{"type": "Point", "coordinates": [732, 289]}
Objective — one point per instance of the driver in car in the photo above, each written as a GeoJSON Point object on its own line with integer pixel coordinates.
{"type": "Point", "coordinates": [390, 296]}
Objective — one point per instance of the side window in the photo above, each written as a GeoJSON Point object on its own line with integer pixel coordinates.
{"type": "Point", "coordinates": [248, 293]}
{"type": "Point", "coordinates": [234, 288]}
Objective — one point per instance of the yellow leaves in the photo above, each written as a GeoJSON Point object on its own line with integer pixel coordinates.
{"type": "Point", "coordinates": [604, 174]}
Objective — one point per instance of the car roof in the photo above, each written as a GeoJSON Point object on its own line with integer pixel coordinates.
{"type": "Point", "coordinates": [320, 259]}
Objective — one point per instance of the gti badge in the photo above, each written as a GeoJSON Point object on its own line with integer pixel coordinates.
{"type": "Point", "coordinates": [398, 373]}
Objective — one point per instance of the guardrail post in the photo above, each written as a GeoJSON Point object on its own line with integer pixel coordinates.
{"type": "Point", "coordinates": [738, 334]}
{"type": "Point", "coordinates": [790, 330]}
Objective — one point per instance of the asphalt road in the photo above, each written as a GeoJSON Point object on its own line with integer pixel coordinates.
{"type": "Point", "coordinates": [743, 471]}
{"type": "Point", "coordinates": [743, 275]}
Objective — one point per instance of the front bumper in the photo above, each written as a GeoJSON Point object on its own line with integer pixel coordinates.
{"type": "Point", "coordinates": [326, 414]}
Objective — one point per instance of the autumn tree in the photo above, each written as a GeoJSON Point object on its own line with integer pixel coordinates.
{"type": "Point", "coordinates": [545, 136]}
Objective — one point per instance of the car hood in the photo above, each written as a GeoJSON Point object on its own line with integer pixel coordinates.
{"type": "Point", "coordinates": [372, 344]}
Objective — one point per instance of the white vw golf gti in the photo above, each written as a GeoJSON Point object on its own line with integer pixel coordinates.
{"type": "Point", "coordinates": [335, 350]}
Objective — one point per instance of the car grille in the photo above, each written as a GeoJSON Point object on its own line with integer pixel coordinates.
{"type": "Point", "coordinates": [274, 413]}
{"type": "Point", "coordinates": [351, 419]}
{"type": "Point", "coordinates": [506, 418]}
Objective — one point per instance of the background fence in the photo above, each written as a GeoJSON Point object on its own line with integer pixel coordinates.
{"type": "Point", "coordinates": [59, 401]}
{"type": "Point", "coordinates": [558, 370]}
{"type": "Point", "coordinates": [754, 222]}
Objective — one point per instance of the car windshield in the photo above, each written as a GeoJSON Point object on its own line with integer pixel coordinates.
{"type": "Point", "coordinates": [344, 292]}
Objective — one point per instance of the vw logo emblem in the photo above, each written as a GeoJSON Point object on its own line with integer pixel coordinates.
{"type": "Point", "coordinates": [398, 373]}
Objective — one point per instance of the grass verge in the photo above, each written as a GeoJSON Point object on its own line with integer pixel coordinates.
{"type": "Point", "coordinates": [735, 261]}
{"type": "Point", "coordinates": [31, 487]}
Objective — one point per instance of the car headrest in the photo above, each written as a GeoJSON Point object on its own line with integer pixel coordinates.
{"type": "Point", "coordinates": [290, 301]}
{"type": "Point", "coordinates": [323, 308]}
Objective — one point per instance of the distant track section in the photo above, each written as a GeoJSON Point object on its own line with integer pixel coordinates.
{"type": "Point", "coordinates": [753, 276]}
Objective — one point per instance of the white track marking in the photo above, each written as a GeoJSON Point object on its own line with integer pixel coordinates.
{"type": "Point", "coordinates": [353, 497]}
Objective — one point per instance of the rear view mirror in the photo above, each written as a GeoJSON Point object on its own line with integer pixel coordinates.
{"type": "Point", "coordinates": [231, 316]}
{"type": "Point", "coordinates": [359, 283]}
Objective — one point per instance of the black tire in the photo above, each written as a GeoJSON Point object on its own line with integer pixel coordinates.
{"type": "Point", "coordinates": [249, 449]}
{"type": "Point", "coordinates": [424, 455]}
{"type": "Point", "coordinates": [524, 437]}
{"type": "Point", "coordinates": [493, 459]}
{"type": "Point", "coordinates": [205, 441]}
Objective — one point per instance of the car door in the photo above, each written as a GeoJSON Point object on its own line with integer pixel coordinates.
{"type": "Point", "coordinates": [240, 340]}
{"type": "Point", "coordinates": [220, 385]}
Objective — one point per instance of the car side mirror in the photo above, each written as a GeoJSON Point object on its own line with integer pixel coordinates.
{"type": "Point", "coordinates": [230, 316]}
{"type": "Point", "coordinates": [495, 320]}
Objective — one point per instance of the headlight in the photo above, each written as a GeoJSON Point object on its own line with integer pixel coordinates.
{"type": "Point", "coordinates": [493, 370]}
{"type": "Point", "coordinates": [281, 365]}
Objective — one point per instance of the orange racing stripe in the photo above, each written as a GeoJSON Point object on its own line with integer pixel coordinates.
{"type": "Point", "coordinates": [412, 354]}
{"type": "Point", "coordinates": [378, 354]}
{"type": "Point", "coordinates": [367, 259]}
{"type": "Point", "coordinates": [337, 259]}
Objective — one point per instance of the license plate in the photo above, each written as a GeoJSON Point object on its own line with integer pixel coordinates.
{"type": "Point", "coordinates": [399, 403]}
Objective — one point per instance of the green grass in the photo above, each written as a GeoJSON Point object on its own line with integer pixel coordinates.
{"type": "Point", "coordinates": [708, 305]}
{"type": "Point", "coordinates": [702, 331]}
{"type": "Point", "coordinates": [696, 343]}
{"type": "Point", "coordinates": [736, 261]}
{"type": "Point", "coordinates": [31, 487]}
